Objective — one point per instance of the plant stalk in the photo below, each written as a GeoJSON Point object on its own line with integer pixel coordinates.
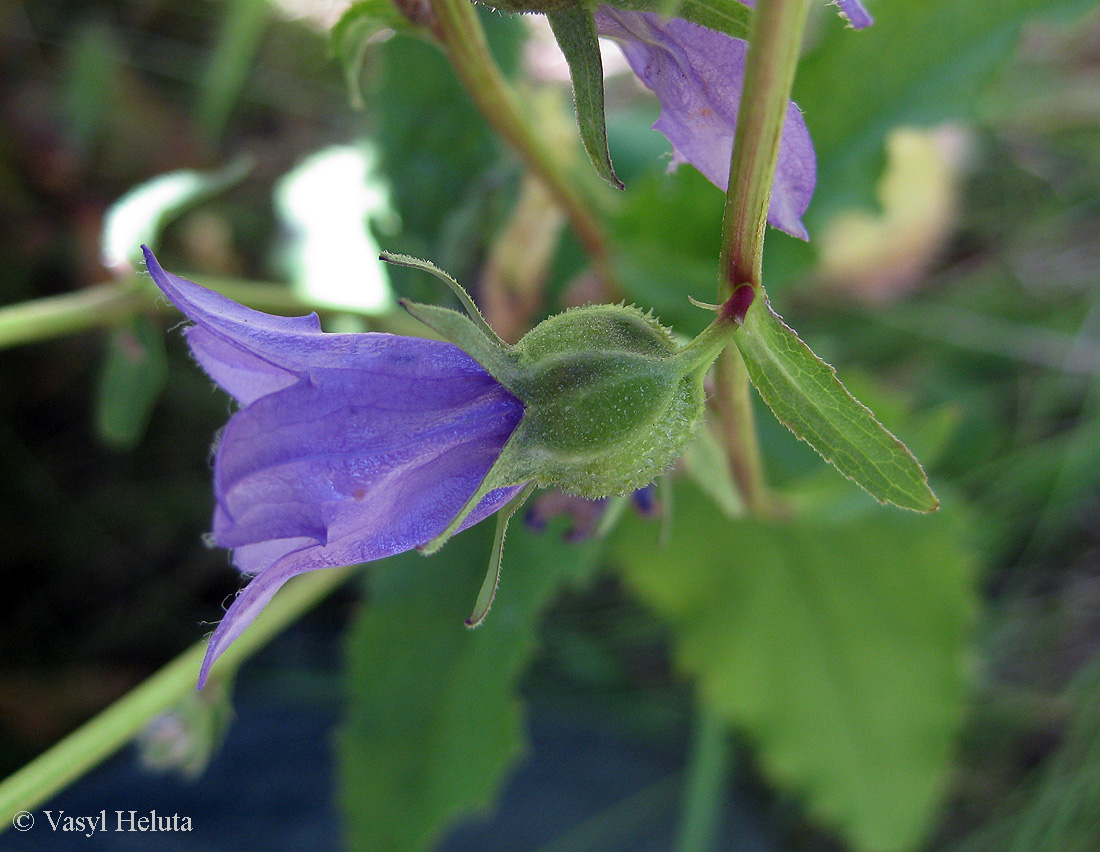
{"type": "Point", "coordinates": [708, 772]}
{"type": "Point", "coordinates": [114, 727]}
{"type": "Point", "coordinates": [733, 402]}
{"type": "Point", "coordinates": [111, 304]}
{"type": "Point", "coordinates": [456, 25]}
{"type": "Point", "coordinates": [775, 41]}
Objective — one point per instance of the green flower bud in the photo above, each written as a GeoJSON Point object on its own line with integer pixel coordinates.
{"type": "Point", "coordinates": [610, 405]}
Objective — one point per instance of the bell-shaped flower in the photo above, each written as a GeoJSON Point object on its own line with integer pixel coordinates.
{"type": "Point", "coordinates": [346, 447]}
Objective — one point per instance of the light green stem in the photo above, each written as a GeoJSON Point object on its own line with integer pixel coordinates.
{"type": "Point", "coordinates": [775, 41]}
{"type": "Point", "coordinates": [101, 737]}
{"type": "Point", "coordinates": [110, 304]}
{"type": "Point", "coordinates": [709, 768]}
{"type": "Point", "coordinates": [734, 404]}
{"type": "Point", "coordinates": [458, 29]}
{"type": "Point", "coordinates": [54, 316]}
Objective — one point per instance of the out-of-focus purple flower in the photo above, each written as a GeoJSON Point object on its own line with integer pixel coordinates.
{"type": "Point", "coordinates": [346, 448]}
{"type": "Point", "coordinates": [853, 10]}
{"type": "Point", "coordinates": [697, 75]}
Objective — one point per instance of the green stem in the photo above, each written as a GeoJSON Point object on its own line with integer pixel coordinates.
{"type": "Point", "coordinates": [734, 405]}
{"type": "Point", "coordinates": [111, 304]}
{"type": "Point", "coordinates": [708, 775]}
{"type": "Point", "coordinates": [458, 29]}
{"type": "Point", "coordinates": [101, 737]}
{"type": "Point", "coordinates": [775, 40]}
{"type": "Point", "coordinates": [53, 316]}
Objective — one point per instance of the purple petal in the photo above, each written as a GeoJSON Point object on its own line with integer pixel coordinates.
{"type": "Point", "coordinates": [348, 447]}
{"type": "Point", "coordinates": [697, 75]}
{"type": "Point", "coordinates": [857, 16]}
{"type": "Point", "coordinates": [853, 10]}
{"type": "Point", "coordinates": [364, 464]}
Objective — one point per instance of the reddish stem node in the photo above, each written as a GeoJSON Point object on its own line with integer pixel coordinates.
{"type": "Point", "coordinates": [739, 303]}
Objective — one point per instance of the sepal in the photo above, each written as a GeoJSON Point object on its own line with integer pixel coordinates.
{"type": "Point", "coordinates": [463, 333]}
{"type": "Point", "coordinates": [489, 586]}
{"type": "Point", "coordinates": [575, 30]}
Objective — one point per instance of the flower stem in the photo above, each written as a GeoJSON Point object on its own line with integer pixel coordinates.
{"type": "Point", "coordinates": [708, 774]}
{"type": "Point", "coordinates": [53, 316]}
{"type": "Point", "coordinates": [110, 304]}
{"type": "Point", "coordinates": [107, 732]}
{"type": "Point", "coordinates": [775, 40]}
{"type": "Point", "coordinates": [456, 25]}
{"type": "Point", "coordinates": [735, 414]}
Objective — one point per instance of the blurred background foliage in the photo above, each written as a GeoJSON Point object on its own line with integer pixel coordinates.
{"type": "Point", "coordinates": [874, 681]}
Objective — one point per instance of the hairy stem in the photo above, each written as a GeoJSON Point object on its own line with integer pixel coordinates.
{"type": "Point", "coordinates": [775, 39]}
{"type": "Point", "coordinates": [734, 405]}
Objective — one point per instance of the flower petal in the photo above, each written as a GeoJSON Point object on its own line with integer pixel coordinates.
{"type": "Point", "coordinates": [697, 75]}
{"type": "Point", "coordinates": [365, 464]}
{"type": "Point", "coordinates": [857, 16]}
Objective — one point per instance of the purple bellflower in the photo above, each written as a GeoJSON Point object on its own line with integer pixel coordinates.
{"type": "Point", "coordinates": [697, 75]}
{"type": "Point", "coordinates": [346, 447]}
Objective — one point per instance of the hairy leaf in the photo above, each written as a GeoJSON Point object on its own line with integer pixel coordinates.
{"type": "Point", "coordinates": [575, 30]}
{"type": "Point", "coordinates": [838, 650]}
{"type": "Point", "coordinates": [807, 397]}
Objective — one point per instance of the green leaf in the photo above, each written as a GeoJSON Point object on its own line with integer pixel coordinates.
{"type": "Point", "coordinates": [575, 30]}
{"type": "Point", "coordinates": [434, 722]}
{"type": "Point", "coordinates": [232, 60]}
{"type": "Point", "coordinates": [806, 396]}
{"type": "Point", "coordinates": [362, 23]}
{"type": "Point", "coordinates": [726, 16]}
{"type": "Point", "coordinates": [130, 381]}
{"type": "Point", "coordinates": [838, 649]}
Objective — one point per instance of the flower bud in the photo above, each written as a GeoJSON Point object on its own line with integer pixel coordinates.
{"type": "Point", "coordinates": [609, 402]}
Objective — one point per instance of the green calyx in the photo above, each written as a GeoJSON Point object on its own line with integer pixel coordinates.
{"type": "Point", "coordinates": [610, 405]}
{"type": "Point", "coordinates": [611, 401]}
